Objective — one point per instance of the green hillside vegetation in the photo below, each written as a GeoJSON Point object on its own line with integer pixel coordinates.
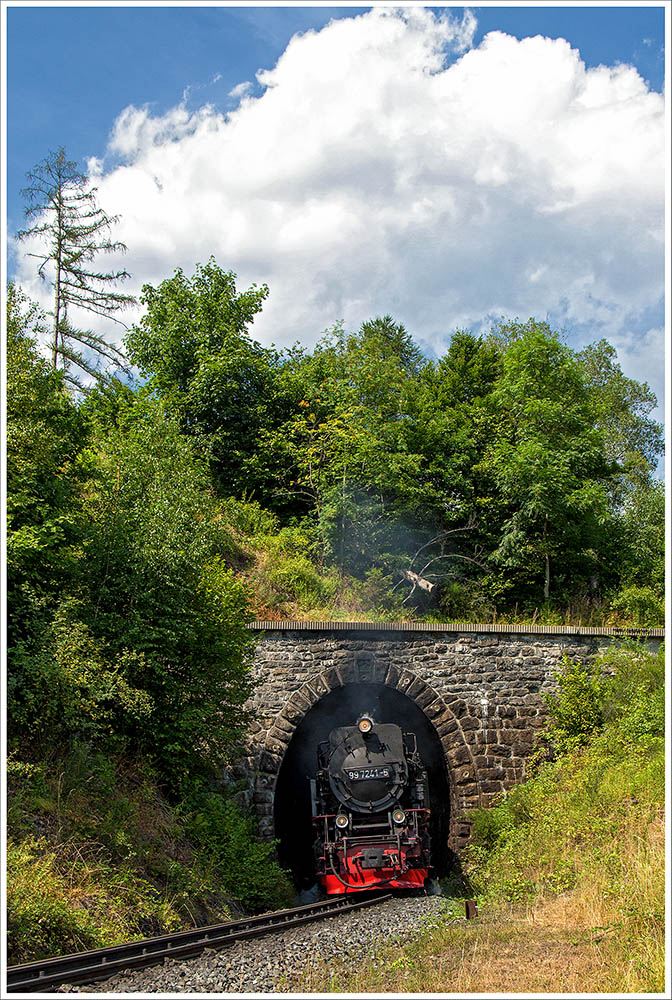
{"type": "Point", "coordinates": [513, 473]}
{"type": "Point", "coordinates": [568, 870]}
{"type": "Point", "coordinates": [148, 522]}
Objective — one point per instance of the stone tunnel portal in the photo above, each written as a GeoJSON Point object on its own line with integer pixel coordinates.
{"type": "Point", "coordinates": [341, 707]}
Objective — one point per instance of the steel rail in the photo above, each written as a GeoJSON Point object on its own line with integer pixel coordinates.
{"type": "Point", "coordinates": [91, 966]}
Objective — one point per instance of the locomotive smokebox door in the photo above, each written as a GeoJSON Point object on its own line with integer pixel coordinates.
{"type": "Point", "coordinates": [372, 857]}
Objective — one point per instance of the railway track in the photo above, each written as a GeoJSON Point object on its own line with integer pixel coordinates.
{"type": "Point", "coordinates": [92, 966]}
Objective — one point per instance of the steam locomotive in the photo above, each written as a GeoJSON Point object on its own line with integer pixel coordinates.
{"type": "Point", "coordinates": [370, 809]}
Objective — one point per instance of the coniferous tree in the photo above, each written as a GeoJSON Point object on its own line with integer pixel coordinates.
{"type": "Point", "coordinates": [73, 230]}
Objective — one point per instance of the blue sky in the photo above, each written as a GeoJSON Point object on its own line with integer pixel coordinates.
{"type": "Point", "coordinates": [71, 70]}
{"type": "Point", "coordinates": [447, 165]}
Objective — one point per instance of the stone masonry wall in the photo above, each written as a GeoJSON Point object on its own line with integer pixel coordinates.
{"type": "Point", "coordinates": [482, 691]}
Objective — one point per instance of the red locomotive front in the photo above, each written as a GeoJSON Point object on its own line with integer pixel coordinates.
{"type": "Point", "coordinates": [370, 809]}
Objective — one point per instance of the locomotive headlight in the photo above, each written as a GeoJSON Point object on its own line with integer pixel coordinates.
{"type": "Point", "coordinates": [398, 816]}
{"type": "Point", "coordinates": [365, 724]}
{"type": "Point", "coordinates": [341, 821]}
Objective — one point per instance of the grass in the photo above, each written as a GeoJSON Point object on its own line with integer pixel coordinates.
{"type": "Point", "coordinates": [287, 581]}
{"type": "Point", "coordinates": [605, 935]}
{"type": "Point", "coordinates": [96, 856]}
{"type": "Point", "coordinates": [502, 953]}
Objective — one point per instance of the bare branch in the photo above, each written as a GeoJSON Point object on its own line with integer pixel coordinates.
{"type": "Point", "coordinates": [75, 231]}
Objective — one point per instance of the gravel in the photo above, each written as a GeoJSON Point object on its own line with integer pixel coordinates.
{"type": "Point", "coordinates": [273, 963]}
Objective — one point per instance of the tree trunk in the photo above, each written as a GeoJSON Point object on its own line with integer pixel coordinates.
{"type": "Point", "coordinates": [547, 573]}
{"type": "Point", "coordinates": [419, 581]}
{"type": "Point", "coordinates": [59, 252]}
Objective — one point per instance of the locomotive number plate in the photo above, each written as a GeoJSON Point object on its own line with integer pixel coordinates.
{"type": "Point", "coordinates": [363, 773]}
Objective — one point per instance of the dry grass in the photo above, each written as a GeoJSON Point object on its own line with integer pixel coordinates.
{"type": "Point", "coordinates": [505, 951]}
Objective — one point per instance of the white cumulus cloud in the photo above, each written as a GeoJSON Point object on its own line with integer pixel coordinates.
{"type": "Point", "coordinates": [390, 166]}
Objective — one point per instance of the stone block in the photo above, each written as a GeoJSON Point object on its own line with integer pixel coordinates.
{"type": "Point", "coordinates": [392, 676]}
{"type": "Point", "coordinates": [459, 755]}
{"type": "Point", "coordinates": [283, 725]}
{"type": "Point", "coordinates": [491, 774]}
{"type": "Point", "coordinates": [491, 786]}
{"type": "Point", "coordinates": [507, 736]}
{"type": "Point", "coordinates": [417, 688]}
{"type": "Point", "coordinates": [464, 776]}
{"type": "Point", "coordinates": [379, 671]}
{"type": "Point", "coordinates": [406, 679]}
{"type": "Point", "coordinates": [269, 762]}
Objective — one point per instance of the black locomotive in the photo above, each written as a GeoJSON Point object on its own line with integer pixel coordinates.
{"type": "Point", "coordinates": [370, 809]}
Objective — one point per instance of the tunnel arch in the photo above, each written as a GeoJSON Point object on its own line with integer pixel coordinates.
{"type": "Point", "coordinates": [443, 717]}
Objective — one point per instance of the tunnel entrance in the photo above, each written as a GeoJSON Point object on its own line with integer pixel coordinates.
{"type": "Point", "coordinates": [341, 707]}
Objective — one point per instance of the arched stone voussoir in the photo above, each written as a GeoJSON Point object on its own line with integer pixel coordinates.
{"type": "Point", "coordinates": [268, 762]}
{"type": "Point", "coordinates": [309, 695]}
{"type": "Point", "coordinates": [320, 685]}
{"type": "Point", "coordinates": [280, 735]}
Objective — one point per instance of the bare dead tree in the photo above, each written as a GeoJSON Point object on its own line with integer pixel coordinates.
{"type": "Point", "coordinates": [73, 231]}
{"type": "Point", "coordinates": [421, 575]}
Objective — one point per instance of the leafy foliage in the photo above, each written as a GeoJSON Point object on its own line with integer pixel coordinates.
{"type": "Point", "coordinates": [512, 468]}
{"type": "Point", "coordinates": [233, 857]}
{"type": "Point", "coordinates": [225, 389]}
{"type": "Point", "coordinates": [147, 525]}
{"type": "Point", "coordinates": [126, 622]}
{"type": "Point", "coordinates": [575, 711]}
{"type": "Point", "coordinates": [98, 856]}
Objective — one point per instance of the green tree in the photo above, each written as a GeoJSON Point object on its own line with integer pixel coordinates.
{"type": "Point", "coordinates": [547, 461]}
{"type": "Point", "coordinates": [159, 596]}
{"type": "Point", "coordinates": [225, 389]}
{"type": "Point", "coordinates": [643, 522]}
{"type": "Point", "coordinates": [46, 480]}
{"type": "Point", "coordinates": [622, 409]}
{"type": "Point", "coordinates": [45, 475]}
{"type": "Point", "coordinates": [69, 232]}
{"type": "Point", "coordinates": [125, 624]}
{"type": "Point", "coordinates": [345, 454]}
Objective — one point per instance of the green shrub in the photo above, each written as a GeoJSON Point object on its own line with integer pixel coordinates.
{"type": "Point", "coordinates": [455, 602]}
{"type": "Point", "coordinates": [232, 857]}
{"type": "Point", "coordinates": [575, 710]}
{"type": "Point", "coordinates": [635, 693]}
{"type": "Point", "coordinates": [640, 606]}
{"type": "Point", "coordinates": [249, 517]}
{"type": "Point", "coordinates": [290, 541]}
{"type": "Point", "coordinates": [294, 577]}
{"type": "Point", "coordinates": [608, 723]}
